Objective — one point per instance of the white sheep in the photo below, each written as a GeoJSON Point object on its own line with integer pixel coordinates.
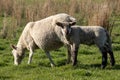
{"type": "Point", "coordinates": [90, 35]}
{"type": "Point", "coordinates": [46, 34]}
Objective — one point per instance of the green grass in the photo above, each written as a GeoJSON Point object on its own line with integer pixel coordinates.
{"type": "Point", "coordinates": [88, 67]}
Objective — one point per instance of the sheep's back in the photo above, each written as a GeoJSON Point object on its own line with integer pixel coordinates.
{"type": "Point", "coordinates": [44, 35]}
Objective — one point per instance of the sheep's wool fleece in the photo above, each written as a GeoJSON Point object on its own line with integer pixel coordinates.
{"type": "Point", "coordinates": [45, 33]}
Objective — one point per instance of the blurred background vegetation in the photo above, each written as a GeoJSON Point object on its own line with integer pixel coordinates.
{"type": "Point", "coordinates": [14, 14]}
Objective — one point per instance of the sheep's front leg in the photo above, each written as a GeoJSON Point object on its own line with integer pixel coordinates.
{"type": "Point", "coordinates": [74, 52]}
{"type": "Point", "coordinates": [30, 56]}
{"type": "Point", "coordinates": [51, 61]}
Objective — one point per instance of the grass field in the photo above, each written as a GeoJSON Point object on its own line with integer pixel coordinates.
{"type": "Point", "coordinates": [89, 58]}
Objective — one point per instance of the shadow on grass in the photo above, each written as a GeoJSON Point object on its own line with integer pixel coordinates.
{"type": "Point", "coordinates": [5, 77]}
{"type": "Point", "coordinates": [3, 64]}
{"type": "Point", "coordinates": [61, 62]}
{"type": "Point", "coordinates": [116, 42]}
{"type": "Point", "coordinates": [44, 64]}
{"type": "Point", "coordinates": [27, 66]}
{"type": "Point", "coordinates": [97, 66]}
{"type": "Point", "coordinates": [86, 52]}
{"type": "Point", "coordinates": [116, 47]}
{"type": "Point", "coordinates": [57, 63]}
{"type": "Point", "coordinates": [116, 67]}
{"type": "Point", "coordinates": [87, 66]}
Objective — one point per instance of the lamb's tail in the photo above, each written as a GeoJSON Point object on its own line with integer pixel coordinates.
{"type": "Point", "coordinates": [108, 41]}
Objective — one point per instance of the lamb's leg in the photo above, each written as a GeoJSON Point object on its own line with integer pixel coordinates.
{"type": "Point", "coordinates": [109, 50]}
{"type": "Point", "coordinates": [69, 54]}
{"type": "Point", "coordinates": [74, 52]}
{"type": "Point", "coordinates": [112, 60]}
{"type": "Point", "coordinates": [30, 56]}
{"type": "Point", "coordinates": [104, 57]}
{"type": "Point", "coordinates": [104, 60]}
{"type": "Point", "coordinates": [51, 61]}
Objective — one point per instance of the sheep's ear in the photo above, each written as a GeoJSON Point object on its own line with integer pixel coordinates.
{"type": "Point", "coordinates": [13, 47]}
{"type": "Point", "coordinates": [60, 24]}
{"type": "Point", "coordinates": [72, 23]}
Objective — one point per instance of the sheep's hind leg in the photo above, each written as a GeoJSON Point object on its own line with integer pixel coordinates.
{"type": "Point", "coordinates": [51, 61]}
{"type": "Point", "coordinates": [69, 54]}
{"type": "Point", "coordinates": [74, 52]}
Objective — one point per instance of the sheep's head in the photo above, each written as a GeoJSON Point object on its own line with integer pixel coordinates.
{"type": "Point", "coordinates": [65, 30]}
{"type": "Point", "coordinates": [64, 21]}
{"type": "Point", "coordinates": [66, 27]}
{"type": "Point", "coordinates": [18, 54]}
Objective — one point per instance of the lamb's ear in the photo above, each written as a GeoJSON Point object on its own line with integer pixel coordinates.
{"type": "Point", "coordinates": [60, 24]}
{"type": "Point", "coordinates": [13, 47]}
{"type": "Point", "coordinates": [72, 23]}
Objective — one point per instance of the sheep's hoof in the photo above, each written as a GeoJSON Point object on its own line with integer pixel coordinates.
{"type": "Point", "coordinates": [28, 63]}
{"type": "Point", "coordinates": [74, 64]}
{"type": "Point", "coordinates": [16, 63]}
{"type": "Point", "coordinates": [52, 65]}
{"type": "Point", "coordinates": [68, 62]}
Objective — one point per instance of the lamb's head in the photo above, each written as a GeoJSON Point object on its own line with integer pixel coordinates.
{"type": "Point", "coordinates": [18, 54]}
{"type": "Point", "coordinates": [66, 27]}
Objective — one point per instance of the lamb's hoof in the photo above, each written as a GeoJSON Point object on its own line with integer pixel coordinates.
{"type": "Point", "coordinates": [103, 66]}
{"type": "Point", "coordinates": [52, 65]}
{"type": "Point", "coordinates": [112, 63]}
